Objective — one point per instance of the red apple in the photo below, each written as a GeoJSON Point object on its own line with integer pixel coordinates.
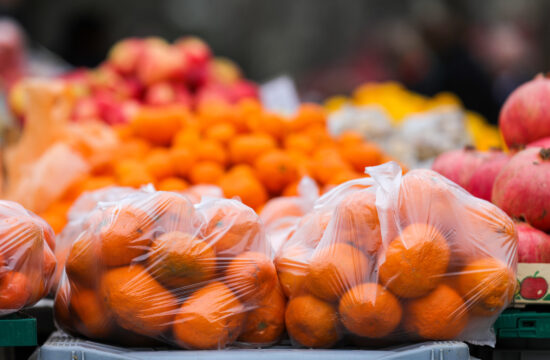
{"type": "Point", "coordinates": [224, 71]}
{"type": "Point", "coordinates": [110, 110]}
{"type": "Point", "coordinates": [197, 55]}
{"type": "Point", "coordinates": [243, 89]}
{"type": "Point", "coordinates": [166, 93]}
{"type": "Point", "coordinates": [124, 55]}
{"type": "Point", "coordinates": [533, 287]}
{"type": "Point", "coordinates": [160, 62]}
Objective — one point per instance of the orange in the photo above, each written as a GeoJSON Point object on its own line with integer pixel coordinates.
{"type": "Point", "coordinates": [312, 226]}
{"type": "Point", "coordinates": [244, 185]}
{"type": "Point", "coordinates": [299, 142]}
{"type": "Point", "coordinates": [20, 238]}
{"type": "Point", "coordinates": [210, 318]}
{"type": "Point", "coordinates": [123, 131]}
{"type": "Point", "coordinates": [251, 275]}
{"type": "Point", "coordinates": [350, 138]}
{"type": "Point", "coordinates": [171, 212]}
{"type": "Point", "coordinates": [487, 285]}
{"type": "Point", "coordinates": [42, 278]}
{"type": "Point", "coordinates": [361, 155]}
{"type": "Point", "coordinates": [159, 163]}
{"type": "Point", "coordinates": [178, 259]}
{"type": "Point", "coordinates": [292, 264]}
{"type": "Point", "coordinates": [357, 221]}
{"type": "Point", "coordinates": [272, 124]}
{"type": "Point", "coordinates": [369, 310]}
{"type": "Point", "coordinates": [415, 261]}
{"type": "Point", "coordinates": [279, 208]}
{"type": "Point", "coordinates": [221, 133]}
{"type": "Point", "coordinates": [124, 234]}
{"type": "Point", "coordinates": [172, 184]}
{"type": "Point", "coordinates": [138, 302]}
{"type": "Point", "coordinates": [209, 150]}
{"type": "Point", "coordinates": [231, 228]}
{"type": "Point", "coordinates": [206, 172]}
{"type": "Point", "coordinates": [334, 269]}
{"type": "Point", "coordinates": [302, 162]}
{"type": "Point", "coordinates": [183, 160]}
{"type": "Point", "coordinates": [265, 324]}
{"type": "Point", "coordinates": [14, 291]}
{"type": "Point", "coordinates": [276, 170]}
{"type": "Point", "coordinates": [56, 216]}
{"type": "Point", "coordinates": [291, 189]}
{"type": "Point", "coordinates": [439, 315]}
{"type": "Point", "coordinates": [133, 148]}
{"type": "Point", "coordinates": [87, 184]}
{"type": "Point", "coordinates": [327, 162]}
{"type": "Point", "coordinates": [308, 114]}
{"type": "Point", "coordinates": [158, 125]}
{"type": "Point", "coordinates": [188, 137]}
{"type": "Point", "coordinates": [84, 262]}
{"type": "Point", "coordinates": [311, 322]}
{"type": "Point", "coordinates": [94, 319]}
{"type": "Point", "coordinates": [132, 173]}
{"type": "Point", "coordinates": [196, 192]}
{"type": "Point", "coordinates": [247, 148]}
{"type": "Point", "coordinates": [343, 176]}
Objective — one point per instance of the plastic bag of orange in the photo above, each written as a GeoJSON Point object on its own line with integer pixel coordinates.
{"type": "Point", "coordinates": [27, 261]}
{"type": "Point", "coordinates": [397, 258]}
{"type": "Point", "coordinates": [153, 265]}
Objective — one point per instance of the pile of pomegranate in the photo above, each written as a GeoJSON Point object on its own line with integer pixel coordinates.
{"type": "Point", "coordinates": [517, 181]}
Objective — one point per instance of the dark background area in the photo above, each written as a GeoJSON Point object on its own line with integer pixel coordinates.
{"type": "Point", "coordinates": [479, 50]}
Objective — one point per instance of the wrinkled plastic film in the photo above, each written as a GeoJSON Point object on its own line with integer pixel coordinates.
{"type": "Point", "coordinates": [153, 265]}
{"type": "Point", "coordinates": [393, 258]}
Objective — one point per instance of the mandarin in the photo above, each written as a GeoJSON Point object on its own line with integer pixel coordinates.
{"type": "Point", "coordinates": [172, 184]}
{"type": "Point", "coordinates": [415, 261]}
{"type": "Point", "coordinates": [488, 285]}
{"type": "Point", "coordinates": [83, 262]}
{"type": "Point", "coordinates": [138, 302]}
{"type": "Point", "coordinates": [276, 170]}
{"type": "Point", "coordinates": [244, 185]}
{"type": "Point", "coordinates": [183, 160]}
{"type": "Point", "coordinates": [159, 163]}
{"type": "Point", "coordinates": [158, 125]}
{"type": "Point", "coordinates": [206, 172]}
{"type": "Point", "coordinates": [14, 291]}
{"type": "Point", "coordinates": [251, 275]}
{"type": "Point", "coordinates": [265, 324]}
{"type": "Point", "coordinates": [299, 142]}
{"type": "Point", "coordinates": [311, 322]}
{"type": "Point", "coordinates": [369, 310]}
{"type": "Point", "coordinates": [334, 269]}
{"type": "Point", "coordinates": [291, 264]}
{"type": "Point", "coordinates": [209, 150]}
{"type": "Point", "coordinates": [247, 148]}
{"type": "Point", "coordinates": [210, 318]}
{"type": "Point", "coordinates": [178, 260]}
{"type": "Point", "coordinates": [94, 319]}
{"type": "Point", "coordinates": [221, 133]}
{"type": "Point", "coordinates": [439, 315]}
{"type": "Point", "coordinates": [361, 155]}
{"type": "Point", "coordinates": [123, 235]}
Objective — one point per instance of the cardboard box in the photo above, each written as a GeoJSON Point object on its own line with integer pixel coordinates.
{"type": "Point", "coordinates": [533, 282]}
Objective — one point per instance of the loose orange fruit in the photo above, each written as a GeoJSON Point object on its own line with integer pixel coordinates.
{"type": "Point", "coordinates": [206, 172]}
{"type": "Point", "coordinates": [172, 184]}
{"type": "Point", "coordinates": [247, 148]}
{"type": "Point", "coordinates": [183, 160]}
{"type": "Point", "coordinates": [159, 163]}
{"type": "Point", "coordinates": [245, 186]}
{"type": "Point", "coordinates": [276, 170]}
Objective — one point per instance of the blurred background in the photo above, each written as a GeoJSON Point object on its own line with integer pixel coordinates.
{"type": "Point", "coordinates": [480, 50]}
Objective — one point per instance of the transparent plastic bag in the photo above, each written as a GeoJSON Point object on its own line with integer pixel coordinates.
{"type": "Point", "coordinates": [27, 261]}
{"type": "Point", "coordinates": [281, 215]}
{"type": "Point", "coordinates": [398, 258]}
{"type": "Point", "coordinates": [153, 265]}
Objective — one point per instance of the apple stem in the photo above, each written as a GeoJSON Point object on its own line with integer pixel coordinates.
{"type": "Point", "coordinates": [544, 154]}
{"type": "Point", "coordinates": [536, 273]}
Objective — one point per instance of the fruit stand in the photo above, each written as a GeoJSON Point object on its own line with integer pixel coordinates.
{"type": "Point", "coordinates": [154, 207]}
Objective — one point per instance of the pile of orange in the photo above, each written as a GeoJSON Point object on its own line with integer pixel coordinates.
{"type": "Point", "coordinates": [247, 151]}
{"type": "Point", "coordinates": [424, 261]}
{"type": "Point", "coordinates": [27, 261]}
{"type": "Point", "coordinates": [152, 266]}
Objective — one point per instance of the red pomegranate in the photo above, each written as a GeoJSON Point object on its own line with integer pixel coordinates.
{"type": "Point", "coordinates": [525, 115]}
{"type": "Point", "coordinates": [544, 143]}
{"type": "Point", "coordinates": [459, 165]}
{"type": "Point", "coordinates": [522, 188]}
{"type": "Point", "coordinates": [533, 244]}
{"type": "Point", "coordinates": [483, 178]}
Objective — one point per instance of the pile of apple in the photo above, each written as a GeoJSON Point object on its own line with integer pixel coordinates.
{"type": "Point", "coordinates": [517, 181]}
{"type": "Point", "coordinates": [149, 72]}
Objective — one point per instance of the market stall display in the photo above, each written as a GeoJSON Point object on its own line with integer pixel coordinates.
{"type": "Point", "coordinates": [398, 257]}
{"type": "Point", "coordinates": [408, 126]}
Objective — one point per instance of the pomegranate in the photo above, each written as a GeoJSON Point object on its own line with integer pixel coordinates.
{"type": "Point", "coordinates": [525, 115]}
{"type": "Point", "coordinates": [483, 178]}
{"type": "Point", "coordinates": [544, 142]}
{"type": "Point", "coordinates": [533, 244]}
{"type": "Point", "coordinates": [459, 165]}
{"type": "Point", "coordinates": [522, 188]}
